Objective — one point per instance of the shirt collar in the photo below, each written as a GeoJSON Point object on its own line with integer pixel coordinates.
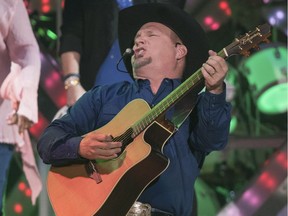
{"type": "Point", "coordinates": [145, 82]}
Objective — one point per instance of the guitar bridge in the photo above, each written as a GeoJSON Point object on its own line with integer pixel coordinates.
{"type": "Point", "coordinates": [92, 172]}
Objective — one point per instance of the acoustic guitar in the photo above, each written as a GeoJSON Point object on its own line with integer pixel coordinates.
{"type": "Point", "coordinates": [110, 187]}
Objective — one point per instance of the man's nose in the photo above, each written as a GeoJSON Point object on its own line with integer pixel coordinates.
{"type": "Point", "coordinates": [138, 41]}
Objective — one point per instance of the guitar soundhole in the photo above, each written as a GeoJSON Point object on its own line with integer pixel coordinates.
{"type": "Point", "coordinates": [125, 138]}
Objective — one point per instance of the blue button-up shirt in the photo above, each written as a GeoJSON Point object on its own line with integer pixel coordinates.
{"type": "Point", "coordinates": [206, 129]}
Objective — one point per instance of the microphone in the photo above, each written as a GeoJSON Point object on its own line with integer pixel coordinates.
{"type": "Point", "coordinates": [128, 52]}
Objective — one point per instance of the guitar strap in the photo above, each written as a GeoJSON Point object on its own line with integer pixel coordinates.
{"type": "Point", "coordinates": [183, 109]}
{"type": "Point", "coordinates": [186, 104]}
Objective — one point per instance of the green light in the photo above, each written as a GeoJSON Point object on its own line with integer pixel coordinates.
{"type": "Point", "coordinates": [274, 100]}
{"type": "Point", "coordinates": [44, 18]}
{"type": "Point", "coordinates": [233, 124]}
{"type": "Point", "coordinates": [41, 32]}
{"type": "Point", "coordinates": [51, 34]}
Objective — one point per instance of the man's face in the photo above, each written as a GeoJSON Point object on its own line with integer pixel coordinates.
{"type": "Point", "coordinates": [154, 44]}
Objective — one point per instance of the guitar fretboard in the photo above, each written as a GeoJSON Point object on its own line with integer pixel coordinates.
{"type": "Point", "coordinates": [195, 79]}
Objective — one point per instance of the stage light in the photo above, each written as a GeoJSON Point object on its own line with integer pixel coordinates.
{"type": "Point", "coordinates": [231, 82]}
{"type": "Point", "coordinates": [266, 72]}
{"type": "Point", "coordinates": [211, 23]}
{"type": "Point", "coordinates": [18, 208]}
{"type": "Point", "coordinates": [276, 15]}
{"type": "Point", "coordinates": [225, 7]}
{"type": "Point", "coordinates": [233, 124]}
{"type": "Point", "coordinates": [51, 34]}
{"type": "Point", "coordinates": [46, 8]}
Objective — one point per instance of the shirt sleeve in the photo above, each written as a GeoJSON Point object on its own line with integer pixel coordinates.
{"type": "Point", "coordinates": [72, 27]}
{"type": "Point", "coordinates": [211, 122]}
{"type": "Point", "coordinates": [24, 52]}
{"type": "Point", "coordinates": [59, 143]}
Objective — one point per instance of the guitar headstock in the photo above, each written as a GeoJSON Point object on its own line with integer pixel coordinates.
{"type": "Point", "coordinates": [243, 44]}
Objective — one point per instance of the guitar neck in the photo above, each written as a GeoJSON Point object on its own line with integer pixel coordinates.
{"type": "Point", "coordinates": [196, 79]}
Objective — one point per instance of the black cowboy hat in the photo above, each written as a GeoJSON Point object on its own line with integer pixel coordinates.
{"type": "Point", "coordinates": [187, 29]}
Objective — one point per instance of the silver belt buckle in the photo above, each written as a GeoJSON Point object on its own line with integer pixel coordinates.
{"type": "Point", "coordinates": [139, 209]}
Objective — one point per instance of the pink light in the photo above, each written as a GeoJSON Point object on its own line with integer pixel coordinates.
{"type": "Point", "coordinates": [264, 177]}
{"type": "Point", "coordinates": [45, 1]}
{"type": "Point", "coordinates": [254, 201]}
{"type": "Point", "coordinates": [251, 198]}
{"type": "Point", "coordinates": [223, 5]}
{"type": "Point", "coordinates": [62, 100]}
{"type": "Point", "coordinates": [271, 183]}
{"type": "Point", "coordinates": [208, 20]}
{"type": "Point", "coordinates": [55, 75]}
{"type": "Point", "coordinates": [45, 8]}
{"type": "Point", "coordinates": [52, 80]}
{"type": "Point", "coordinates": [228, 12]}
{"type": "Point", "coordinates": [267, 180]}
{"type": "Point", "coordinates": [248, 194]}
{"type": "Point", "coordinates": [28, 192]}
{"type": "Point", "coordinates": [215, 26]}
{"type": "Point", "coordinates": [49, 83]}
{"type": "Point", "coordinates": [21, 186]}
{"type": "Point", "coordinates": [18, 208]}
{"type": "Point", "coordinates": [282, 160]}
{"type": "Point", "coordinates": [39, 127]}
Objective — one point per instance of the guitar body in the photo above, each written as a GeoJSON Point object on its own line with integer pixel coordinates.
{"type": "Point", "coordinates": [73, 192]}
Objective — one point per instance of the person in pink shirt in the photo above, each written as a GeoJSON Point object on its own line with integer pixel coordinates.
{"type": "Point", "coordinates": [19, 79]}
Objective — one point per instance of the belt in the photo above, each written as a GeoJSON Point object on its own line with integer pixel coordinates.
{"type": "Point", "coordinates": [144, 209]}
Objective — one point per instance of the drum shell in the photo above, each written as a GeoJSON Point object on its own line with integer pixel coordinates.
{"type": "Point", "coordinates": [265, 70]}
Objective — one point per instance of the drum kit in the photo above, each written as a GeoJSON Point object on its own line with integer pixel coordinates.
{"type": "Point", "coordinates": [258, 86]}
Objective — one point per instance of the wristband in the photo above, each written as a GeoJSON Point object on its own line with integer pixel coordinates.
{"type": "Point", "coordinates": [71, 81]}
{"type": "Point", "coordinates": [70, 75]}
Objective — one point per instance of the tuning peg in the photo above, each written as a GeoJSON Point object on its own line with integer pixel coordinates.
{"type": "Point", "coordinates": [245, 53]}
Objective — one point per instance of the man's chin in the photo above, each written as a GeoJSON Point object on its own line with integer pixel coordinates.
{"type": "Point", "coordinates": [139, 63]}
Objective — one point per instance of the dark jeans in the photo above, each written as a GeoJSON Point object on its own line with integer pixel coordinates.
{"type": "Point", "coordinates": [6, 152]}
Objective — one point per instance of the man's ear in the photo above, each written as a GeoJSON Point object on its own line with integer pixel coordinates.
{"type": "Point", "coordinates": [181, 51]}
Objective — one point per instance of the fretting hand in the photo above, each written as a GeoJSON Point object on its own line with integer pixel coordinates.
{"type": "Point", "coordinates": [214, 71]}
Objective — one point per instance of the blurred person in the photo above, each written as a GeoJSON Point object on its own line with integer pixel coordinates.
{"type": "Point", "coordinates": [87, 33]}
{"type": "Point", "coordinates": [19, 79]}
